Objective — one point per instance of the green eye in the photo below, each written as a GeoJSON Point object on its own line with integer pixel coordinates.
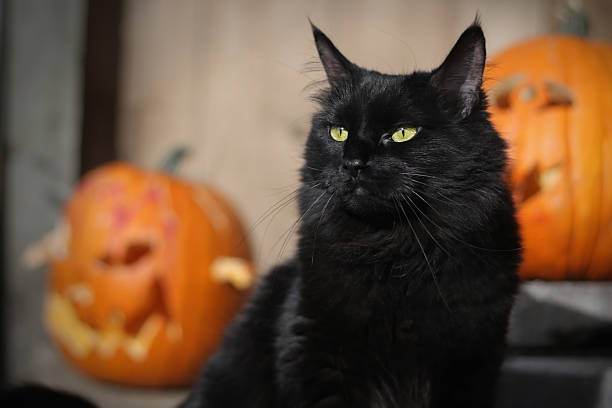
{"type": "Point", "coordinates": [339, 134]}
{"type": "Point", "coordinates": [403, 134]}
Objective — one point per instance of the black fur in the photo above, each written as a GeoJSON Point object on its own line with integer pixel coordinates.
{"type": "Point", "coordinates": [405, 274]}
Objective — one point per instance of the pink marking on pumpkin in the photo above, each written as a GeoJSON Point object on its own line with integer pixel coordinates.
{"type": "Point", "coordinates": [114, 189]}
{"type": "Point", "coordinates": [121, 216]}
{"type": "Point", "coordinates": [170, 231]}
{"type": "Point", "coordinates": [106, 190]}
{"type": "Point", "coordinates": [154, 193]}
{"type": "Point", "coordinates": [170, 226]}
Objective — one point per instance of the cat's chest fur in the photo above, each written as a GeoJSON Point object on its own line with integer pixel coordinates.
{"type": "Point", "coordinates": [377, 306]}
{"type": "Point", "coordinates": [368, 321]}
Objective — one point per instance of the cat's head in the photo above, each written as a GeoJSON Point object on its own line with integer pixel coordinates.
{"type": "Point", "coordinates": [384, 147]}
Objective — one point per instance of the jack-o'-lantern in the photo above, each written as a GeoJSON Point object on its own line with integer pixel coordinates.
{"type": "Point", "coordinates": [551, 99]}
{"type": "Point", "coordinates": [152, 271]}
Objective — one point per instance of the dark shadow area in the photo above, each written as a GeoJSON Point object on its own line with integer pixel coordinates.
{"type": "Point", "coordinates": [101, 83]}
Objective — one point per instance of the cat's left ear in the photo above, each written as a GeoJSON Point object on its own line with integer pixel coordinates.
{"type": "Point", "coordinates": [459, 78]}
{"type": "Point", "coordinates": [337, 67]}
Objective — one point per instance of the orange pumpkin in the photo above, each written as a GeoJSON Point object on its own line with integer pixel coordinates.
{"type": "Point", "coordinates": [551, 99]}
{"type": "Point", "coordinates": [152, 272]}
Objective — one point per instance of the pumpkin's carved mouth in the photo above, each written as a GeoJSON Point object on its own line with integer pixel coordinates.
{"type": "Point", "coordinates": [81, 339]}
{"type": "Point", "coordinates": [536, 181]}
{"type": "Point", "coordinates": [132, 336]}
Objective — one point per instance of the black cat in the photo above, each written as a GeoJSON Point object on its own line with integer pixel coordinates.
{"type": "Point", "coordinates": [405, 274]}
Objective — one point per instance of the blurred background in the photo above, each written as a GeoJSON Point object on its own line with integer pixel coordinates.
{"type": "Point", "coordinates": [88, 82]}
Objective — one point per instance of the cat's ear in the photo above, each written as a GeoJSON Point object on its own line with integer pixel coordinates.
{"type": "Point", "coordinates": [459, 78]}
{"type": "Point", "coordinates": [337, 67]}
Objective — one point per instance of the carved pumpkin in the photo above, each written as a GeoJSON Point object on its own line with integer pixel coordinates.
{"type": "Point", "coordinates": [551, 99]}
{"type": "Point", "coordinates": [152, 271]}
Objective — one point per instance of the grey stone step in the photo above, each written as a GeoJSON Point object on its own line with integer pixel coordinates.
{"type": "Point", "coordinates": [556, 381]}
{"type": "Point", "coordinates": [568, 314]}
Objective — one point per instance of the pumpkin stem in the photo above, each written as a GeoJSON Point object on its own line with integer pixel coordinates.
{"type": "Point", "coordinates": [172, 161]}
{"type": "Point", "coordinates": [574, 20]}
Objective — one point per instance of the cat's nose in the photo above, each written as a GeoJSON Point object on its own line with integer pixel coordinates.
{"type": "Point", "coordinates": [354, 166]}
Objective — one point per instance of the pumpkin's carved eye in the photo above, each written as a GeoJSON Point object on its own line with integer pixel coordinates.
{"type": "Point", "coordinates": [137, 251]}
{"type": "Point", "coordinates": [558, 95]}
{"type": "Point", "coordinates": [499, 95]}
{"type": "Point", "coordinates": [549, 94]}
{"type": "Point", "coordinates": [134, 253]}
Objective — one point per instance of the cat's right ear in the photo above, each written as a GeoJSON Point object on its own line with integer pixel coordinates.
{"type": "Point", "coordinates": [337, 67]}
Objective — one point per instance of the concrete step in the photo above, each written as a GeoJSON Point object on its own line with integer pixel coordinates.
{"type": "Point", "coordinates": [563, 314]}
{"type": "Point", "coordinates": [538, 381]}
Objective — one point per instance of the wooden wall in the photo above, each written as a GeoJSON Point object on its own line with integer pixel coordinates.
{"type": "Point", "coordinates": [227, 79]}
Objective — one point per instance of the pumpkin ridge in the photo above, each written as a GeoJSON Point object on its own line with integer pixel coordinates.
{"type": "Point", "coordinates": [569, 162]}
{"type": "Point", "coordinates": [588, 205]}
{"type": "Point", "coordinates": [600, 210]}
{"type": "Point", "coordinates": [606, 132]}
